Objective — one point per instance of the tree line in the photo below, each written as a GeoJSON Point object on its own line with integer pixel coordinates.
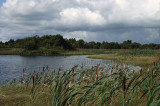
{"type": "Point", "coordinates": [58, 42]}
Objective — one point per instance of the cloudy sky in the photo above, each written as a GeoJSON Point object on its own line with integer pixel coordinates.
{"type": "Point", "coordinates": [98, 20]}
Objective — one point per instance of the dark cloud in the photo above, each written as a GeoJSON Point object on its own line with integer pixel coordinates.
{"type": "Point", "coordinates": [98, 20]}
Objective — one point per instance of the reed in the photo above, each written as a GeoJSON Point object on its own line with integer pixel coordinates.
{"type": "Point", "coordinates": [116, 85]}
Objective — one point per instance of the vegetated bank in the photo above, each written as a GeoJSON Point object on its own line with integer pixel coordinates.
{"type": "Point", "coordinates": [49, 45]}
{"type": "Point", "coordinates": [137, 57]}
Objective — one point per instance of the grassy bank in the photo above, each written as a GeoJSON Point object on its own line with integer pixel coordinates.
{"type": "Point", "coordinates": [52, 52]}
{"type": "Point", "coordinates": [134, 60]}
{"type": "Point", "coordinates": [134, 57]}
{"type": "Point", "coordinates": [84, 52]}
{"type": "Point", "coordinates": [10, 51]}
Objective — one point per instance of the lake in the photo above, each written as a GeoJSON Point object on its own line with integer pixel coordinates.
{"type": "Point", "coordinates": [11, 66]}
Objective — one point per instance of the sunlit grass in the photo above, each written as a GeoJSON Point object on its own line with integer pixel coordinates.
{"type": "Point", "coordinates": [134, 60]}
{"type": "Point", "coordinates": [133, 57]}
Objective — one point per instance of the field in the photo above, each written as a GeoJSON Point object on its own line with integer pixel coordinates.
{"type": "Point", "coordinates": [96, 86]}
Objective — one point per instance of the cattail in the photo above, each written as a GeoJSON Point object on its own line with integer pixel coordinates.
{"type": "Point", "coordinates": [97, 72]}
{"type": "Point", "coordinates": [82, 66]}
{"type": "Point", "coordinates": [133, 71]}
{"type": "Point", "coordinates": [43, 69]}
{"type": "Point", "coordinates": [108, 68]}
{"type": "Point", "coordinates": [47, 68]}
{"type": "Point", "coordinates": [22, 80]}
{"type": "Point", "coordinates": [154, 63]}
{"type": "Point", "coordinates": [14, 80]}
{"type": "Point", "coordinates": [70, 84]}
{"type": "Point", "coordinates": [33, 79]}
{"type": "Point", "coordinates": [112, 70]}
{"type": "Point", "coordinates": [124, 88]}
{"type": "Point", "coordinates": [117, 67]}
{"type": "Point", "coordinates": [124, 83]}
{"type": "Point", "coordinates": [23, 73]}
{"type": "Point", "coordinates": [140, 72]}
{"type": "Point", "coordinates": [58, 73]}
{"type": "Point", "coordinates": [39, 68]}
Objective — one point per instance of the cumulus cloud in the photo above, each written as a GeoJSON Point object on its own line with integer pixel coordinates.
{"type": "Point", "coordinates": [99, 20]}
{"type": "Point", "coordinates": [81, 16]}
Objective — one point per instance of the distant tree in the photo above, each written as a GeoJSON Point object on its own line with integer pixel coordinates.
{"type": "Point", "coordinates": [30, 45]}
{"type": "Point", "coordinates": [126, 44]}
{"type": "Point", "coordinates": [97, 45]}
{"type": "Point", "coordinates": [73, 42]}
{"type": "Point", "coordinates": [135, 45]}
{"type": "Point", "coordinates": [58, 42]}
{"type": "Point", "coordinates": [11, 43]}
{"type": "Point", "coordinates": [91, 45]}
{"type": "Point", "coordinates": [1, 44]}
{"type": "Point", "coordinates": [80, 43]}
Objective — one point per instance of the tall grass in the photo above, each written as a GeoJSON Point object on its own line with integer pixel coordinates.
{"type": "Point", "coordinates": [97, 86]}
{"type": "Point", "coordinates": [142, 52]}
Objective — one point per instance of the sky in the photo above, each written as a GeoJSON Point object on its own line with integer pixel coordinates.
{"type": "Point", "coordinates": [91, 20]}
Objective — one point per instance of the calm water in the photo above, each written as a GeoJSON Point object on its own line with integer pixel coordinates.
{"type": "Point", "coordinates": [11, 66]}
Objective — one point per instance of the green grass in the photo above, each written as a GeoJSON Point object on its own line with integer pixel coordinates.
{"type": "Point", "coordinates": [141, 58]}
{"type": "Point", "coordinates": [142, 52]}
{"type": "Point", "coordinates": [10, 51]}
{"type": "Point", "coordinates": [50, 52]}
{"type": "Point", "coordinates": [84, 52]}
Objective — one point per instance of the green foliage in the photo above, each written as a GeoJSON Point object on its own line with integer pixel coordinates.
{"type": "Point", "coordinates": [30, 45]}
{"type": "Point", "coordinates": [58, 42]}
{"type": "Point", "coordinates": [40, 52]}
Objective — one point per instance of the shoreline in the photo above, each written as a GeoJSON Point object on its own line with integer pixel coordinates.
{"type": "Point", "coordinates": [141, 61]}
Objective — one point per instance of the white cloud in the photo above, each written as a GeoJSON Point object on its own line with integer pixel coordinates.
{"type": "Point", "coordinates": [98, 18]}
{"type": "Point", "coordinates": [81, 16]}
{"type": "Point", "coordinates": [78, 35]}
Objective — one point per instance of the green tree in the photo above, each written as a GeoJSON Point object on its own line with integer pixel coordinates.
{"type": "Point", "coordinates": [81, 43]}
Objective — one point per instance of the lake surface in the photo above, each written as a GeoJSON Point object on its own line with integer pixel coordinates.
{"type": "Point", "coordinates": [12, 66]}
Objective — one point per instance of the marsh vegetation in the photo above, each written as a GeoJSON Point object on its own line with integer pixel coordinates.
{"type": "Point", "coordinates": [92, 86]}
{"type": "Point", "coordinates": [116, 85]}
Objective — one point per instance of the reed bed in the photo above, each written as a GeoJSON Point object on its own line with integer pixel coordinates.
{"type": "Point", "coordinates": [96, 86]}
{"type": "Point", "coordinates": [136, 60]}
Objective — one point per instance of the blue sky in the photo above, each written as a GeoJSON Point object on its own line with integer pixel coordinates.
{"type": "Point", "coordinates": [1, 2]}
{"type": "Point", "coordinates": [91, 20]}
